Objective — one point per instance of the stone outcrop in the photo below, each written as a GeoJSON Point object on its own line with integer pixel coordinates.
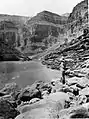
{"type": "Point", "coordinates": [77, 20]}
{"type": "Point", "coordinates": [45, 28]}
{"type": "Point", "coordinates": [7, 110]}
{"type": "Point", "coordinates": [14, 18]}
{"type": "Point", "coordinates": [79, 11]}
{"type": "Point", "coordinates": [9, 42]}
{"type": "Point", "coordinates": [35, 91]}
{"type": "Point", "coordinates": [50, 17]}
{"type": "Point", "coordinates": [74, 51]}
{"type": "Point", "coordinates": [75, 112]}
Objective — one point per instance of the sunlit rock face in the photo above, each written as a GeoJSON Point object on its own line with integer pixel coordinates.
{"type": "Point", "coordinates": [45, 28]}
{"type": "Point", "coordinates": [79, 11]}
{"type": "Point", "coordinates": [47, 16]}
{"type": "Point", "coordinates": [78, 19]}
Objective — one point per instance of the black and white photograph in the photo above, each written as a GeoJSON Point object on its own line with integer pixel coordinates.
{"type": "Point", "coordinates": [44, 59]}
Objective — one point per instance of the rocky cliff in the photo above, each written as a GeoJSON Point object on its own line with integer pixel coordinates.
{"type": "Point", "coordinates": [39, 33]}
{"type": "Point", "coordinates": [49, 28]}
{"type": "Point", "coordinates": [75, 53]}
{"type": "Point", "coordinates": [50, 17]}
{"type": "Point", "coordinates": [14, 18]}
{"type": "Point", "coordinates": [34, 35]}
{"type": "Point", "coordinates": [45, 28]}
{"type": "Point", "coordinates": [10, 42]}
{"type": "Point", "coordinates": [77, 20]}
{"type": "Point", "coordinates": [79, 12]}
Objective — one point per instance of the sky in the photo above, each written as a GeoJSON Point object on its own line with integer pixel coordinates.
{"type": "Point", "coordinates": [32, 7]}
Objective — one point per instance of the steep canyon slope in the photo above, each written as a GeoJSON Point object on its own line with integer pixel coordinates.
{"type": "Point", "coordinates": [35, 35]}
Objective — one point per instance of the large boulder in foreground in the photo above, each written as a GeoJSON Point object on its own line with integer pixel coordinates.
{"type": "Point", "coordinates": [40, 113]}
{"type": "Point", "coordinates": [46, 108]}
{"type": "Point", "coordinates": [36, 90]}
{"type": "Point", "coordinates": [29, 93]}
{"type": "Point", "coordinates": [53, 103]}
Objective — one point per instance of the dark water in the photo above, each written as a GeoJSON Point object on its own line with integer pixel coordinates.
{"type": "Point", "coordinates": [25, 73]}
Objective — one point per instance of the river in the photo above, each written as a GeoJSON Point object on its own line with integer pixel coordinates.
{"type": "Point", "coordinates": [25, 73]}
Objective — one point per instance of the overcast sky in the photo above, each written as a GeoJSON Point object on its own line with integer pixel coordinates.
{"type": "Point", "coordinates": [31, 7]}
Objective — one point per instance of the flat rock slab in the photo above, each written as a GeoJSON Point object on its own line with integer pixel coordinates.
{"type": "Point", "coordinates": [84, 91]}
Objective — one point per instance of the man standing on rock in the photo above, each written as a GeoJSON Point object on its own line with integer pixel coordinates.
{"type": "Point", "coordinates": [63, 69]}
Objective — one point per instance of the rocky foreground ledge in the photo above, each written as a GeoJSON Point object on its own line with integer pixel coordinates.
{"type": "Point", "coordinates": [42, 100]}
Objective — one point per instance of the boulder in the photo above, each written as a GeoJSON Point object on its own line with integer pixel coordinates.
{"type": "Point", "coordinates": [35, 91]}
{"type": "Point", "coordinates": [28, 93]}
{"type": "Point", "coordinates": [75, 112]}
{"type": "Point", "coordinates": [10, 88]}
{"type": "Point", "coordinates": [7, 110]}
{"type": "Point", "coordinates": [59, 97]}
{"type": "Point", "coordinates": [80, 112]}
{"type": "Point", "coordinates": [8, 97]}
{"type": "Point", "coordinates": [56, 85]}
{"type": "Point", "coordinates": [2, 94]}
{"type": "Point", "coordinates": [72, 81]}
{"type": "Point", "coordinates": [83, 82]}
{"type": "Point", "coordinates": [66, 89]}
{"type": "Point", "coordinates": [42, 86]}
{"type": "Point", "coordinates": [80, 82]}
{"type": "Point", "coordinates": [82, 99]}
{"type": "Point", "coordinates": [34, 100]}
{"type": "Point", "coordinates": [45, 94]}
{"type": "Point", "coordinates": [84, 91]}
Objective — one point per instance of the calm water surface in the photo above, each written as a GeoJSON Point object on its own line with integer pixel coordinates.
{"type": "Point", "coordinates": [25, 73]}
